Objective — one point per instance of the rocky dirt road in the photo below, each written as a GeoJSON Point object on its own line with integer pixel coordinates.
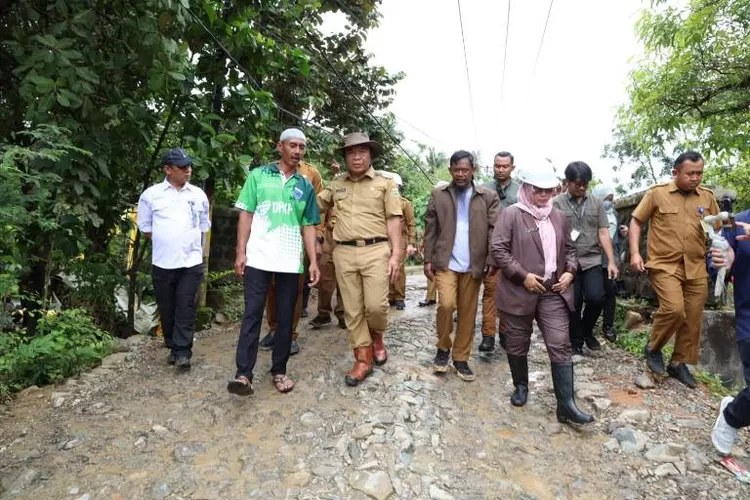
{"type": "Point", "coordinates": [134, 428]}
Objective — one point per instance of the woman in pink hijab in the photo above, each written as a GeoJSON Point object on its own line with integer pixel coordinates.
{"type": "Point", "coordinates": [533, 248]}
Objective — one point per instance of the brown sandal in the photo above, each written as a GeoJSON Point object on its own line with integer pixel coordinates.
{"type": "Point", "coordinates": [283, 383]}
{"type": "Point", "coordinates": [242, 386]}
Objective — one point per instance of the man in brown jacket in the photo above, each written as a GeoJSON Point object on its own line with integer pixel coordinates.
{"type": "Point", "coordinates": [458, 225]}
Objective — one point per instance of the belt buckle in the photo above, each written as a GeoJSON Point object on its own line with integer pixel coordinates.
{"type": "Point", "coordinates": [360, 243]}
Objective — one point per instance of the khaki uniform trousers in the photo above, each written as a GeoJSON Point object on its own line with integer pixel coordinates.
{"type": "Point", "coordinates": [490, 315]}
{"type": "Point", "coordinates": [271, 304]}
{"type": "Point", "coordinates": [431, 290]}
{"type": "Point", "coordinates": [328, 281]}
{"type": "Point", "coordinates": [397, 291]}
{"type": "Point", "coordinates": [362, 278]}
{"type": "Point", "coordinates": [680, 312]}
{"type": "Point", "coordinates": [456, 291]}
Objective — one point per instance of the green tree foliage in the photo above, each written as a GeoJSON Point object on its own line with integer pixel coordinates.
{"type": "Point", "coordinates": [692, 88]}
{"type": "Point", "coordinates": [92, 92]}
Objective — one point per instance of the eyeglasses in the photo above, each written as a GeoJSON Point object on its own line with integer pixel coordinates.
{"type": "Point", "coordinates": [542, 191]}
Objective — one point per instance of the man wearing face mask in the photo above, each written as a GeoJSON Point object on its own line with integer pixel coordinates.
{"type": "Point", "coordinates": [610, 286]}
{"type": "Point", "coordinates": [507, 191]}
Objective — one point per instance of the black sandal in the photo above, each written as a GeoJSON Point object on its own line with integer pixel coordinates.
{"type": "Point", "coordinates": [241, 386]}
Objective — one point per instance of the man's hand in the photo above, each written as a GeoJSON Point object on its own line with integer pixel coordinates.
{"type": "Point", "coordinates": [239, 264]}
{"type": "Point", "coordinates": [428, 272]}
{"type": "Point", "coordinates": [394, 268]}
{"type": "Point", "coordinates": [490, 271]}
{"type": "Point", "coordinates": [314, 274]}
{"type": "Point", "coordinates": [410, 250]}
{"type": "Point", "coordinates": [563, 283]}
{"type": "Point", "coordinates": [719, 258]}
{"type": "Point", "coordinates": [335, 167]}
{"type": "Point", "coordinates": [636, 262]}
{"type": "Point", "coordinates": [612, 271]}
{"type": "Point", "coordinates": [533, 283]}
{"type": "Point", "coordinates": [745, 227]}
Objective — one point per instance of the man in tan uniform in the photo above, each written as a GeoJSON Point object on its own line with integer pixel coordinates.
{"type": "Point", "coordinates": [368, 217]}
{"type": "Point", "coordinates": [676, 264]}
{"type": "Point", "coordinates": [397, 292]}
{"type": "Point", "coordinates": [312, 174]}
{"type": "Point", "coordinates": [327, 283]}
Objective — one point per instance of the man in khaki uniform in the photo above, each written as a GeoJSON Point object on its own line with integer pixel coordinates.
{"type": "Point", "coordinates": [368, 217]}
{"type": "Point", "coordinates": [676, 264]}
{"type": "Point", "coordinates": [397, 292]}
{"type": "Point", "coordinates": [327, 283]}
{"type": "Point", "coordinates": [312, 174]}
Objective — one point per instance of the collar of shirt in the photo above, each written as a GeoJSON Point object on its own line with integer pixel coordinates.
{"type": "Point", "coordinates": [672, 187]}
{"type": "Point", "coordinates": [370, 173]}
{"type": "Point", "coordinates": [275, 166]}
{"type": "Point", "coordinates": [166, 186]}
{"type": "Point", "coordinates": [577, 201]}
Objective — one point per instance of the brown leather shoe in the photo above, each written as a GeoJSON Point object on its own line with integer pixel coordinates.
{"type": "Point", "coordinates": [362, 366]}
{"type": "Point", "coordinates": [379, 354]}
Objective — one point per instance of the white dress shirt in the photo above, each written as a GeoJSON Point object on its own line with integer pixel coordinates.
{"type": "Point", "coordinates": [176, 221]}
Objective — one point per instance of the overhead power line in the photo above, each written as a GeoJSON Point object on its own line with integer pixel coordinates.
{"type": "Point", "coordinates": [387, 132]}
{"type": "Point", "coordinates": [541, 42]}
{"type": "Point", "coordinates": [468, 77]}
{"type": "Point", "coordinates": [505, 54]}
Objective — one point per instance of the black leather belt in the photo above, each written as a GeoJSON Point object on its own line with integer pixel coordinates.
{"type": "Point", "coordinates": [362, 243]}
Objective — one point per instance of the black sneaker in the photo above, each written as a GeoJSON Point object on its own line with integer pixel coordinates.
{"type": "Point", "coordinates": [463, 371]}
{"type": "Point", "coordinates": [487, 345]}
{"type": "Point", "coordinates": [391, 302]}
{"type": "Point", "coordinates": [577, 350]}
{"type": "Point", "coordinates": [170, 359]}
{"type": "Point", "coordinates": [681, 373]}
{"type": "Point", "coordinates": [592, 343]}
{"type": "Point", "coordinates": [400, 305]}
{"type": "Point", "coordinates": [427, 303]}
{"type": "Point", "coordinates": [610, 333]}
{"type": "Point", "coordinates": [294, 349]}
{"type": "Point", "coordinates": [442, 359]}
{"type": "Point", "coordinates": [342, 323]}
{"type": "Point", "coordinates": [654, 360]}
{"type": "Point", "coordinates": [182, 362]}
{"type": "Point", "coordinates": [266, 343]}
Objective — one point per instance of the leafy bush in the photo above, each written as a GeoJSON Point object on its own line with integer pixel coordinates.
{"type": "Point", "coordinates": [65, 344]}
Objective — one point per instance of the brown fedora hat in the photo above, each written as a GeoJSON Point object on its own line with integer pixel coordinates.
{"type": "Point", "coordinates": [360, 139]}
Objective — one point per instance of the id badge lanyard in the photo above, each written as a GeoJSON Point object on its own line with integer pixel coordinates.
{"type": "Point", "coordinates": [575, 232]}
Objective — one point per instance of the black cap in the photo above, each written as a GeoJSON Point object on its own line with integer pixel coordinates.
{"type": "Point", "coordinates": [177, 157]}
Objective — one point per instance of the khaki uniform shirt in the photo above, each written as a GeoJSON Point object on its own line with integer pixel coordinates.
{"type": "Point", "coordinates": [408, 225]}
{"type": "Point", "coordinates": [312, 175]}
{"type": "Point", "coordinates": [585, 218]}
{"type": "Point", "coordinates": [675, 235]}
{"type": "Point", "coordinates": [362, 206]}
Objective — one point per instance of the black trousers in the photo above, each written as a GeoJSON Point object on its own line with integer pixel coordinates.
{"type": "Point", "coordinates": [306, 291]}
{"type": "Point", "coordinates": [589, 290]}
{"type": "Point", "coordinates": [610, 301]}
{"type": "Point", "coordinates": [256, 289]}
{"type": "Point", "coordinates": [175, 291]}
{"type": "Point", "coordinates": [737, 413]}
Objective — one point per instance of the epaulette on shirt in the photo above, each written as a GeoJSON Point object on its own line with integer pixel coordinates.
{"type": "Point", "coordinates": [708, 190]}
{"type": "Point", "coordinates": [661, 184]}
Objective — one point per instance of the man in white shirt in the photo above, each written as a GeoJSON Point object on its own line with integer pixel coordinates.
{"type": "Point", "coordinates": [174, 215]}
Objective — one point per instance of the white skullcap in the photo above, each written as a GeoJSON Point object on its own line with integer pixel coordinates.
{"type": "Point", "coordinates": [292, 133]}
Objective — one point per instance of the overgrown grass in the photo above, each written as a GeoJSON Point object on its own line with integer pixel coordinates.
{"type": "Point", "coordinates": [65, 344]}
{"type": "Point", "coordinates": [231, 294]}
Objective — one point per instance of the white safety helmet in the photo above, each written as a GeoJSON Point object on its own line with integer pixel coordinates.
{"type": "Point", "coordinates": [542, 176]}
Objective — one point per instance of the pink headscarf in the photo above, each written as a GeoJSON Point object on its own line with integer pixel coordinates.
{"type": "Point", "coordinates": [546, 229]}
